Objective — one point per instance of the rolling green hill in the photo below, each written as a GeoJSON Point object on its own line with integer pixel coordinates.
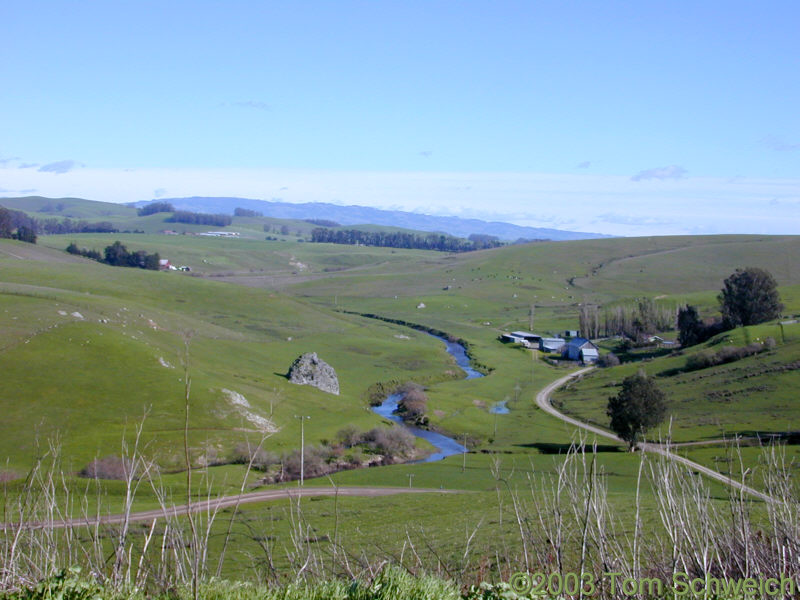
{"type": "Point", "coordinates": [88, 348]}
{"type": "Point", "coordinates": [253, 305]}
{"type": "Point", "coordinates": [126, 218]}
{"type": "Point", "coordinates": [752, 396]}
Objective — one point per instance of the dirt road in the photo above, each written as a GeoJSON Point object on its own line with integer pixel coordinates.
{"type": "Point", "coordinates": [543, 401]}
{"type": "Point", "coordinates": [229, 501]}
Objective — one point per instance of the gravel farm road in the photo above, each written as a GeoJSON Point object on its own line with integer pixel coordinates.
{"type": "Point", "coordinates": [543, 401]}
{"type": "Point", "coordinates": [213, 504]}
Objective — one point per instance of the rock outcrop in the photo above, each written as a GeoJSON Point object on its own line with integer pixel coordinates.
{"type": "Point", "coordinates": [309, 369]}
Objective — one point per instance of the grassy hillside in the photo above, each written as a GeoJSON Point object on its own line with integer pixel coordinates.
{"type": "Point", "coordinates": [126, 218]}
{"type": "Point", "coordinates": [241, 332]}
{"type": "Point", "coordinates": [88, 348]}
{"type": "Point", "coordinates": [752, 396]}
{"type": "Point", "coordinates": [69, 208]}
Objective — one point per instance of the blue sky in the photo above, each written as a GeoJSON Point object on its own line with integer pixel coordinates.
{"type": "Point", "coordinates": [628, 118]}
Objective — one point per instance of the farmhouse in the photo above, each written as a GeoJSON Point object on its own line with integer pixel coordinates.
{"type": "Point", "coordinates": [658, 340]}
{"type": "Point", "coordinates": [581, 349]}
{"type": "Point", "coordinates": [551, 344]}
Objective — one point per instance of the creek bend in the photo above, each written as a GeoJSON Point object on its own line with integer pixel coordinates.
{"type": "Point", "coordinates": [445, 446]}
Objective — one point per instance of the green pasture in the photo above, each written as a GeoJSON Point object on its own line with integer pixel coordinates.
{"type": "Point", "coordinates": [91, 377]}
{"type": "Point", "coordinates": [250, 306]}
{"type": "Point", "coordinates": [749, 397]}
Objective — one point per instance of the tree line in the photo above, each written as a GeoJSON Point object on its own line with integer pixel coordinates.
{"type": "Point", "coordinates": [67, 225]}
{"type": "Point", "coordinates": [748, 297]}
{"type": "Point", "coordinates": [635, 319]}
{"type": "Point", "coordinates": [397, 239]}
{"type": "Point", "coordinates": [323, 222]}
{"type": "Point", "coordinates": [17, 225]}
{"type": "Point", "coordinates": [155, 207]}
{"type": "Point", "coordinates": [194, 218]}
{"type": "Point", "coordinates": [246, 212]}
{"type": "Point", "coordinates": [117, 255]}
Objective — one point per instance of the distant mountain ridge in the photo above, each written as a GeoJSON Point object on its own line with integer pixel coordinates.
{"type": "Point", "coordinates": [362, 215]}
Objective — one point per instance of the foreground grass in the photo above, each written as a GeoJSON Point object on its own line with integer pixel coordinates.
{"type": "Point", "coordinates": [576, 516]}
{"type": "Point", "coordinates": [390, 583]}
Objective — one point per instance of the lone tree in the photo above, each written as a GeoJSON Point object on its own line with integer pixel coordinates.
{"type": "Point", "coordinates": [750, 296]}
{"type": "Point", "coordinates": [639, 406]}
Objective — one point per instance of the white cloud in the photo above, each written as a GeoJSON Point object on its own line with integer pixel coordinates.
{"type": "Point", "coordinates": [59, 167]}
{"type": "Point", "coordinates": [778, 144]}
{"type": "Point", "coordinates": [670, 172]}
{"type": "Point", "coordinates": [636, 221]}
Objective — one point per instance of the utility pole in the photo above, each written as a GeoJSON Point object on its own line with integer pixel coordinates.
{"type": "Point", "coordinates": [302, 446]}
{"type": "Point", "coordinates": [464, 464]}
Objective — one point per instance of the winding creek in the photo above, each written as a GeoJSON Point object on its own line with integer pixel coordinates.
{"type": "Point", "coordinates": [445, 446]}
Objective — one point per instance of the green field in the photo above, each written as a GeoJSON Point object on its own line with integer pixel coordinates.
{"type": "Point", "coordinates": [89, 351]}
{"type": "Point", "coordinates": [76, 374]}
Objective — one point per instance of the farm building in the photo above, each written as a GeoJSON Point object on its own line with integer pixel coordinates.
{"type": "Point", "coordinates": [526, 338]}
{"type": "Point", "coordinates": [510, 338]}
{"type": "Point", "coordinates": [220, 234]}
{"type": "Point", "coordinates": [551, 344]}
{"type": "Point", "coordinates": [581, 349]}
{"type": "Point", "coordinates": [655, 339]}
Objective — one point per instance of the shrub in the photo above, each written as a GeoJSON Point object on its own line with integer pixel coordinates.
{"type": "Point", "coordinates": [110, 467]}
{"type": "Point", "coordinates": [701, 360]}
{"type": "Point", "coordinates": [348, 436]}
{"type": "Point", "coordinates": [390, 441]}
{"type": "Point", "coordinates": [6, 476]}
{"type": "Point", "coordinates": [414, 403]}
{"type": "Point", "coordinates": [726, 354]}
{"type": "Point", "coordinates": [262, 459]}
{"type": "Point", "coordinates": [608, 360]}
{"type": "Point", "coordinates": [315, 462]}
{"type": "Point", "coordinates": [67, 584]}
